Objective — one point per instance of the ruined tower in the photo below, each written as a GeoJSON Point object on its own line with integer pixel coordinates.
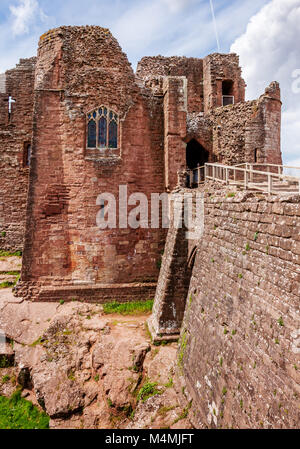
{"type": "Point", "coordinates": [91, 127]}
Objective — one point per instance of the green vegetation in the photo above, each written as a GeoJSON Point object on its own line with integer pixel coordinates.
{"type": "Point", "coordinates": [7, 284]}
{"type": "Point", "coordinates": [128, 308]}
{"type": "Point", "coordinates": [184, 413]}
{"type": "Point", "coordinates": [37, 342]}
{"type": "Point", "coordinates": [255, 236]}
{"type": "Point", "coordinates": [162, 343]}
{"type": "Point", "coordinates": [8, 254]}
{"type": "Point", "coordinates": [183, 343]}
{"type": "Point", "coordinates": [164, 410]}
{"type": "Point", "coordinates": [147, 391]}
{"type": "Point", "coordinates": [280, 322]}
{"type": "Point", "coordinates": [3, 234]}
{"type": "Point", "coordinates": [10, 284]}
{"type": "Point", "coordinates": [170, 383]}
{"type": "Point", "coordinates": [5, 379]}
{"type": "Point", "coordinates": [61, 302]}
{"type": "Point", "coordinates": [247, 247]}
{"type": "Point", "coordinates": [17, 413]}
{"type": "Point", "coordinates": [4, 362]}
{"type": "Point", "coordinates": [231, 195]}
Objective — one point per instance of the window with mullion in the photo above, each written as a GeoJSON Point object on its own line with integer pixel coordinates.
{"type": "Point", "coordinates": [102, 129]}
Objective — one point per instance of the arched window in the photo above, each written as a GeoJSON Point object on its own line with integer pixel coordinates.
{"type": "Point", "coordinates": [102, 128]}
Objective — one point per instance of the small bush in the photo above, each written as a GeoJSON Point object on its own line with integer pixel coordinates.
{"type": "Point", "coordinates": [147, 391]}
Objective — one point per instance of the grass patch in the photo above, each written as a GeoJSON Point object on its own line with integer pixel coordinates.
{"type": "Point", "coordinates": [8, 254]}
{"type": "Point", "coordinates": [7, 284]}
{"type": "Point", "coordinates": [17, 413]}
{"type": "Point", "coordinates": [128, 308]}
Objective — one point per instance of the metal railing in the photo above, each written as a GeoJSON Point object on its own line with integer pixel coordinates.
{"type": "Point", "coordinates": [227, 100]}
{"type": "Point", "coordinates": [195, 177]}
{"type": "Point", "coordinates": [269, 178]}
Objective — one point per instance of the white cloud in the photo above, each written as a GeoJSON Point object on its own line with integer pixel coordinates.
{"type": "Point", "coordinates": [176, 5]}
{"type": "Point", "coordinates": [269, 50]}
{"type": "Point", "coordinates": [24, 15]}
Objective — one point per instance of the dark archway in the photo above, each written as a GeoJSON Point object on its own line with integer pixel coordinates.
{"type": "Point", "coordinates": [196, 155]}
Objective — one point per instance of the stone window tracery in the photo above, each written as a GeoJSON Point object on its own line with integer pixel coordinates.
{"type": "Point", "coordinates": [102, 128]}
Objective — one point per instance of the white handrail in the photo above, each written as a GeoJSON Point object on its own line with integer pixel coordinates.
{"type": "Point", "coordinates": [222, 173]}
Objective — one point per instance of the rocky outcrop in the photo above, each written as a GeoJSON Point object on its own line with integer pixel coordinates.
{"type": "Point", "coordinates": [90, 370]}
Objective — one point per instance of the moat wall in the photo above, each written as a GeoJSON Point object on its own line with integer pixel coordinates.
{"type": "Point", "coordinates": [240, 339]}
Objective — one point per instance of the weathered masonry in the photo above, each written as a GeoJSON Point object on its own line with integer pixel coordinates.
{"type": "Point", "coordinates": [240, 339]}
{"type": "Point", "coordinates": [15, 145]}
{"type": "Point", "coordinates": [93, 125]}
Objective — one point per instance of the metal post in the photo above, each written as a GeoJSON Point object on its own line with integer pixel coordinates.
{"type": "Point", "coordinates": [246, 179]}
{"type": "Point", "coordinates": [270, 183]}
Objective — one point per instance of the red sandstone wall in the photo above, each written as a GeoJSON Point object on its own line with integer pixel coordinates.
{"type": "Point", "coordinates": [78, 69]}
{"type": "Point", "coordinates": [242, 129]}
{"type": "Point", "coordinates": [240, 342]}
{"type": "Point", "coordinates": [216, 68]}
{"type": "Point", "coordinates": [175, 114]}
{"type": "Point", "coordinates": [14, 175]}
{"type": "Point", "coordinates": [152, 70]}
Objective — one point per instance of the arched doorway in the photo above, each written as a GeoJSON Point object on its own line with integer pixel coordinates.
{"type": "Point", "coordinates": [196, 155]}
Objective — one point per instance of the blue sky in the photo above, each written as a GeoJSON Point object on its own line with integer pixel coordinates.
{"type": "Point", "coordinates": [266, 34]}
{"type": "Point", "coordinates": [143, 27]}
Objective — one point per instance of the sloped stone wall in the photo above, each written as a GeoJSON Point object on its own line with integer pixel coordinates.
{"type": "Point", "coordinates": [240, 339]}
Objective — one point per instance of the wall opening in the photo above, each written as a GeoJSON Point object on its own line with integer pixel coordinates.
{"type": "Point", "coordinates": [255, 155]}
{"type": "Point", "coordinates": [196, 155]}
{"type": "Point", "coordinates": [26, 154]}
{"type": "Point", "coordinates": [227, 92]}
